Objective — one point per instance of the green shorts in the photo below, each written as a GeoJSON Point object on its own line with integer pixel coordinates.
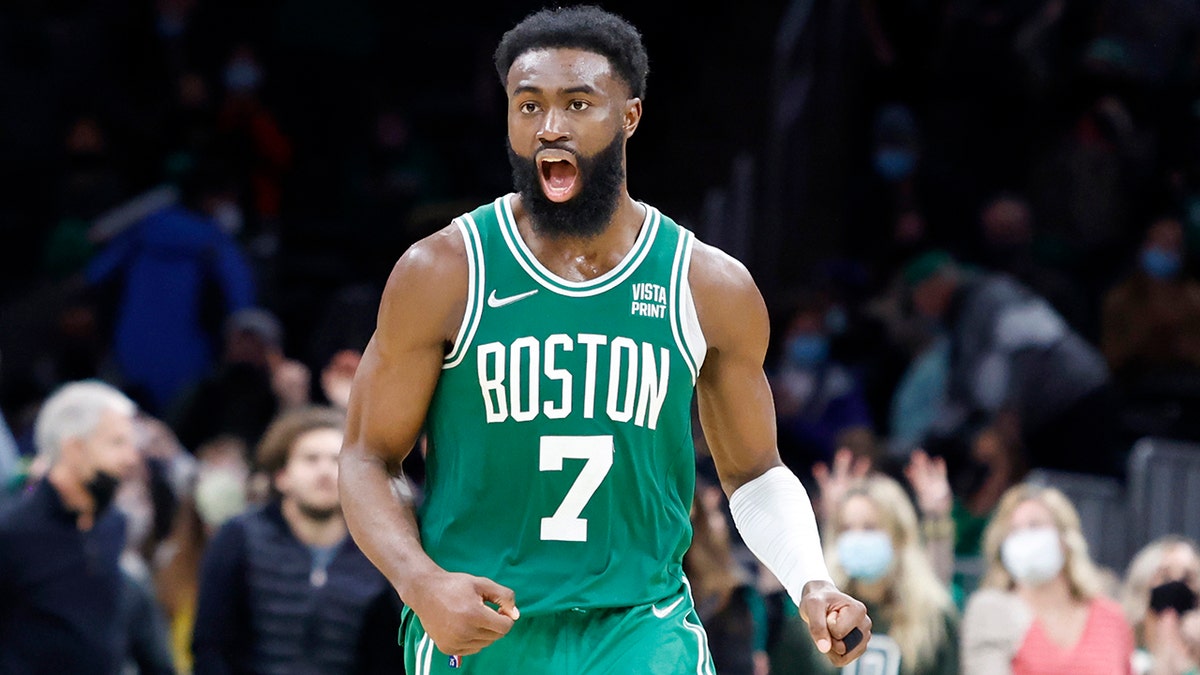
{"type": "Point", "coordinates": [663, 638]}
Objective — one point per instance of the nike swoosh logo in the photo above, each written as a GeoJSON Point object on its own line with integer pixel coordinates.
{"type": "Point", "coordinates": [493, 301]}
{"type": "Point", "coordinates": [662, 613]}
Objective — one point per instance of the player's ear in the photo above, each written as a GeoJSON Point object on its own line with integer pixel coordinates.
{"type": "Point", "coordinates": [633, 115]}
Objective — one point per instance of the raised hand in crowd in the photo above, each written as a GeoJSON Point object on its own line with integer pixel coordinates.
{"type": "Point", "coordinates": [291, 381]}
{"type": "Point", "coordinates": [833, 481]}
{"type": "Point", "coordinates": [931, 487]}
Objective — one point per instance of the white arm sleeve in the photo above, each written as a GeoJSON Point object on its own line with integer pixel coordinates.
{"type": "Point", "coordinates": [775, 518]}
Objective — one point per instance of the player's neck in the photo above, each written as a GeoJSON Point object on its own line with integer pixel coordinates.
{"type": "Point", "coordinates": [582, 258]}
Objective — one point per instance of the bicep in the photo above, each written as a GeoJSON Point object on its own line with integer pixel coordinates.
{"type": "Point", "coordinates": [419, 315]}
{"type": "Point", "coordinates": [737, 412]}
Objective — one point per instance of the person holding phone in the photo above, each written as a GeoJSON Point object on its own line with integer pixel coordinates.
{"type": "Point", "coordinates": [1159, 594]}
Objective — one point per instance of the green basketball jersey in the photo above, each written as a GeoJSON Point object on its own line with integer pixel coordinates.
{"type": "Point", "coordinates": [560, 459]}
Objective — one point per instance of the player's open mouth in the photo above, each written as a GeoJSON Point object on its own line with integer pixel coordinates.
{"type": "Point", "coordinates": [560, 176]}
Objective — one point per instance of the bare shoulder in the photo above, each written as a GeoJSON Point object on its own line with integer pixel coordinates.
{"type": "Point", "coordinates": [429, 283]}
{"type": "Point", "coordinates": [729, 304]}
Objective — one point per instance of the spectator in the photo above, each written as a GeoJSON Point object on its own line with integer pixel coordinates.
{"type": "Point", "coordinates": [1159, 590]}
{"type": "Point", "coordinates": [1151, 318]}
{"type": "Point", "coordinates": [927, 479]}
{"type": "Point", "coordinates": [175, 276]}
{"type": "Point", "coordinates": [252, 383]}
{"type": "Point", "coordinates": [1088, 183]}
{"type": "Point", "coordinates": [726, 598]}
{"type": "Point", "coordinates": [1042, 607]}
{"type": "Point", "coordinates": [1008, 240]}
{"type": "Point", "coordinates": [250, 137]}
{"type": "Point", "coordinates": [61, 585]}
{"type": "Point", "coordinates": [875, 546]}
{"type": "Point", "coordinates": [143, 622]}
{"type": "Point", "coordinates": [888, 208]}
{"type": "Point", "coordinates": [918, 396]}
{"type": "Point", "coordinates": [337, 376]}
{"type": "Point", "coordinates": [283, 588]}
{"type": "Point", "coordinates": [1017, 372]}
{"type": "Point", "coordinates": [819, 402]}
{"type": "Point", "coordinates": [215, 492]}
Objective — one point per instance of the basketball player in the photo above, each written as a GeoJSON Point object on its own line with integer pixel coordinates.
{"type": "Point", "coordinates": [549, 344]}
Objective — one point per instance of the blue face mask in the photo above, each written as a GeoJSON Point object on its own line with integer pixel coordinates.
{"type": "Point", "coordinates": [807, 351]}
{"type": "Point", "coordinates": [895, 164]}
{"type": "Point", "coordinates": [1160, 264]}
{"type": "Point", "coordinates": [866, 555]}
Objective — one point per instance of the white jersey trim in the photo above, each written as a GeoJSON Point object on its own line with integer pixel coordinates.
{"type": "Point", "coordinates": [576, 289]}
{"type": "Point", "coordinates": [475, 285]}
{"type": "Point", "coordinates": [685, 324]}
{"type": "Point", "coordinates": [705, 658]}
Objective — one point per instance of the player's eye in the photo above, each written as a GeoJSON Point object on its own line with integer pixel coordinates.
{"type": "Point", "coordinates": [529, 107]}
{"type": "Point", "coordinates": [578, 105]}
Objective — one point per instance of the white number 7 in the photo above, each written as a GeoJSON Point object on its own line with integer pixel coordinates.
{"type": "Point", "coordinates": [565, 524]}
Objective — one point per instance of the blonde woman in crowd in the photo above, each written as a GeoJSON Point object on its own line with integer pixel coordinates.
{"type": "Point", "coordinates": [1159, 592]}
{"type": "Point", "coordinates": [875, 551]}
{"type": "Point", "coordinates": [1041, 608]}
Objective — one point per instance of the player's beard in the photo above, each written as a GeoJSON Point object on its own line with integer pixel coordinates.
{"type": "Point", "coordinates": [587, 213]}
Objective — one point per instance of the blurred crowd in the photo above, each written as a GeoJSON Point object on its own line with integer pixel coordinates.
{"type": "Point", "coordinates": [216, 190]}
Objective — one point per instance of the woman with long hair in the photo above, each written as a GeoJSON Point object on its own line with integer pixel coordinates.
{"type": "Point", "coordinates": [1158, 593]}
{"type": "Point", "coordinates": [1042, 606]}
{"type": "Point", "coordinates": [875, 551]}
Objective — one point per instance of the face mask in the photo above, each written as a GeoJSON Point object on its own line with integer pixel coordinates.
{"type": "Point", "coordinates": [1033, 556]}
{"type": "Point", "coordinates": [1160, 264]}
{"type": "Point", "coordinates": [894, 164]}
{"type": "Point", "coordinates": [866, 555]}
{"type": "Point", "coordinates": [807, 351]}
{"type": "Point", "coordinates": [220, 495]}
{"type": "Point", "coordinates": [1176, 595]}
{"type": "Point", "coordinates": [103, 488]}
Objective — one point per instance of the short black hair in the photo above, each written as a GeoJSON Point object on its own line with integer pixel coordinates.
{"type": "Point", "coordinates": [584, 27]}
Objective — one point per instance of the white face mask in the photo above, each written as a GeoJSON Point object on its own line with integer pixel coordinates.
{"type": "Point", "coordinates": [220, 494]}
{"type": "Point", "coordinates": [1033, 555]}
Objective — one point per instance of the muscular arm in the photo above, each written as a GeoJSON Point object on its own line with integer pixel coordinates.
{"type": "Point", "coordinates": [737, 414]}
{"type": "Point", "coordinates": [392, 388]}
{"type": "Point", "coordinates": [419, 315]}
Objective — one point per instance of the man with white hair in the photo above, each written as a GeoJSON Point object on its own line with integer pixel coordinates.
{"type": "Point", "coordinates": [61, 589]}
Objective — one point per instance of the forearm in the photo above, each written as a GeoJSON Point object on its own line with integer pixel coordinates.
{"type": "Point", "coordinates": [938, 531]}
{"type": "Point", "coordinates": [382, 523]}
{"type": "Point", "coordinates": [775, 518]}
